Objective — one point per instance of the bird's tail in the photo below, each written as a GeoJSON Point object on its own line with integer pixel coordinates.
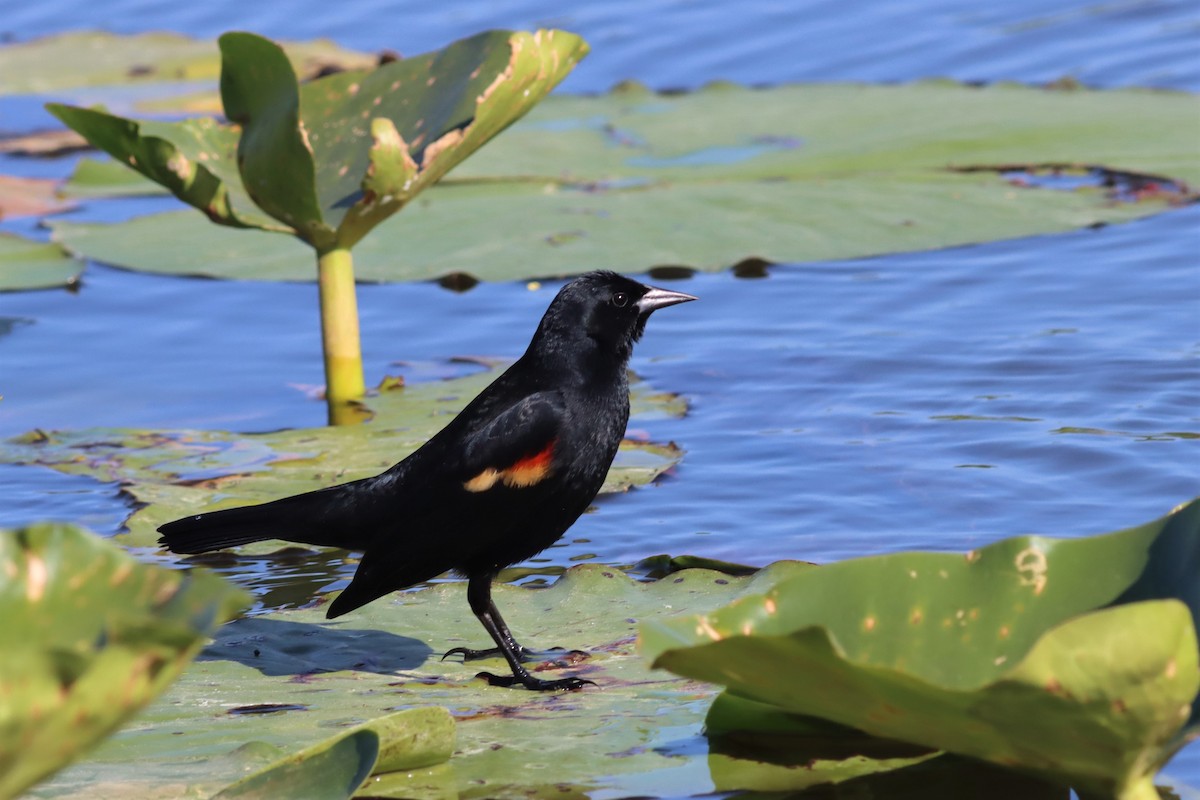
{"type": "Point", "coordinates": [304, 519]}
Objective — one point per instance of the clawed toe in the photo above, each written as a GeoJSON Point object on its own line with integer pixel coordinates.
{"type": "Point", "coordinates": [524, 654]}
{"type": "Point", "coordinates": [472, 655]}
{"type": "Point", "coordinates": [535, 684]}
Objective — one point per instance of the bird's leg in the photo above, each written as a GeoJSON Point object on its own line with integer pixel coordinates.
{"type": "Point", "coordinates": [479, 595]}
{"type": "Point", "coordinates": [524, 654]}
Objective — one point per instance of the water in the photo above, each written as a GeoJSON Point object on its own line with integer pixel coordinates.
{"type": "Point", "coordinates": [935, 400]}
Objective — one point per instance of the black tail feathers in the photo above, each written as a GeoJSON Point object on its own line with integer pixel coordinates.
{"type": "Point", "coordinates": [303, 519]}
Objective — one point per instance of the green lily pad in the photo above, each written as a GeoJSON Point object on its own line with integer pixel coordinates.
{"type": "Point", "coordinates": [174, 473]}
{"type": "Point", "coordinates": [28, 264]}
{"type": "Point", "coordinates": [1076, 659]}
{"type": "Point", "coordinates": [94, 177]}
{"type": "Point", "coordinates": [794, 173]}
{"type": "Point", "coordinates": [404, 741]}
{"type": "Point", "coordinates": [95, 58]}
{"type": "Point", "coordinates": [89, 637]}
{"type": "Point", "coordinates": [327, 770]}
{"type": "Point", "coordinates": [334, 674]}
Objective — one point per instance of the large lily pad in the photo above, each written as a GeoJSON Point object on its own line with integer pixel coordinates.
{"type": "Point", "coordinates": [1073, 658]}
{"type": "Point", "coordinates": [511, 743]}
{"type": "Point", "coordinates": [89, 637]}
{"type": "Point", "coordinates": [795, 173]}
{"type": "Point", "coordinates": [95, 58]}
{"type": "Point", "coordinates": [29, 264]}
{"type": "Point", "coordinates": [174, 473]}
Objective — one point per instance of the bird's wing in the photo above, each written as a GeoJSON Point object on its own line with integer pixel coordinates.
{"type": "Point", "coordinates": [516, 447]}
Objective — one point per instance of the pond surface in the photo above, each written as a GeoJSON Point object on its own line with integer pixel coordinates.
{"type": "Point", "coordinates": [936, 400]}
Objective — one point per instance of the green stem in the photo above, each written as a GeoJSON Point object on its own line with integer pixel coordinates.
{"type": "Point", "coordinates": [1141, 788]}
{"type": "Point", "coordinates": [339, 332]}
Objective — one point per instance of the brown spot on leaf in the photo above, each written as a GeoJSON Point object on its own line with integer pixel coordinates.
{"type": "Point", "coordinates": [447, 141]}
{"type": "Point", "coordinates": [120, 574]}
{"type": "Point", "coordinates": [36, 578]}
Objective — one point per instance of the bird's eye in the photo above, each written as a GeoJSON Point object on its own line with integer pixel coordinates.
{"type": "Point", "coordinates": [620, 299]}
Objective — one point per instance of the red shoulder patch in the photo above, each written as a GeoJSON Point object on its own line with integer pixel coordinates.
{"type": "Point", "coordinates": [526, 471]}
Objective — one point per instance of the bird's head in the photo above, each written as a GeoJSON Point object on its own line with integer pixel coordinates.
{"type": "Point", "coordinates": [607, 309]}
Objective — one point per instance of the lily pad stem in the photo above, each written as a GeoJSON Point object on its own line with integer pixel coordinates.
{"type": "Point", "coordinates": [1139, 789]}
{"type": "Point", "coordinates": [339, 331]}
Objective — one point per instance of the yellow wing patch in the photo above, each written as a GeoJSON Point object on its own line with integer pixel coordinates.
{"type": "Point", "coordinates": [525, 472]}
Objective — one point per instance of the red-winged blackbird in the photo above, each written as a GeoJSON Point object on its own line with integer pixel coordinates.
{"type": "Point", "coordinates": [499, 484]}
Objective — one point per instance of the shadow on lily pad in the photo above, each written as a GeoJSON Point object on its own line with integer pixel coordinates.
{"type": "Point", "coordinates": [279, 647]}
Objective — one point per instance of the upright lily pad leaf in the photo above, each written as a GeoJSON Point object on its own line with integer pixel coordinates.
{"type": "Point", "coordinates": [1076, 659]}
{"type": "Point", "coordinates": [26, 264]}
{"type": "Point", "coordinates": [196, 160]}
{"type": "Point", "coordinates": [96, 58]}
{"type": "Point", "coordinates": [89, 637]}
{"type": "Point", "coordinates": [330, 196]}
{"type": "Point", "coordinates": [304, 154]}
{"type": "Point", "coordinates": [794, 173]}
{"type": "Point", "coordinates": [260, 93]}
{"type": "Point", "coordinates": [477, 88]}
{"type": "Point", "coordinates": [174, 473]}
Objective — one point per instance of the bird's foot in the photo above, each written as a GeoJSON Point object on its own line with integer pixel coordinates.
{"type": "Point", "coordinates": [535, 684]}
{"type": "Point", "coordinates": [524, 654]}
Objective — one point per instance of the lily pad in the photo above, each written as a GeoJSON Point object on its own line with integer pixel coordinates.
{"type": "Point", "coordinates": [336, 767]}
{"type": "Point", "coordinates": [334, 674]}
{"type": "Point", "coordinates": [94, 177]}
{"type": "Point", "coordinates": [794, 173]}
{"type": "Point", "coordinates": [29, 264]}
{"type": "Point", "coordinates": [1076, 659]}
{"type": "Point", "coordinates": [95, 58]}
{"type": "Point", "coordinates": [89, 637]}
{"type": "Point", "coordinates": [325, 771]}
{"type": "Point", "coordinates": [174, 473]}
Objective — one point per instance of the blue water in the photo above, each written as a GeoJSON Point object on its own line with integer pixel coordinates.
{"type": "Point", "coordinates": [936, 400]}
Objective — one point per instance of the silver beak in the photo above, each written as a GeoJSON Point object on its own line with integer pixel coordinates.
{"type": "Point", "coordinates": [661, 298]}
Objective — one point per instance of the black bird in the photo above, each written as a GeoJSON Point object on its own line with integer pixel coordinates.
{"type": "Point", "coordinates": [499, 484]}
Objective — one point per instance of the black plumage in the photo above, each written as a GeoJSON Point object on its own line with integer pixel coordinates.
{"type": "Point", "coordinates": [499, 484]}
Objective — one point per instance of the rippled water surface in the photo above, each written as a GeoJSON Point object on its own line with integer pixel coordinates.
{"type": "Point", "coordinates": [935, 400]}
